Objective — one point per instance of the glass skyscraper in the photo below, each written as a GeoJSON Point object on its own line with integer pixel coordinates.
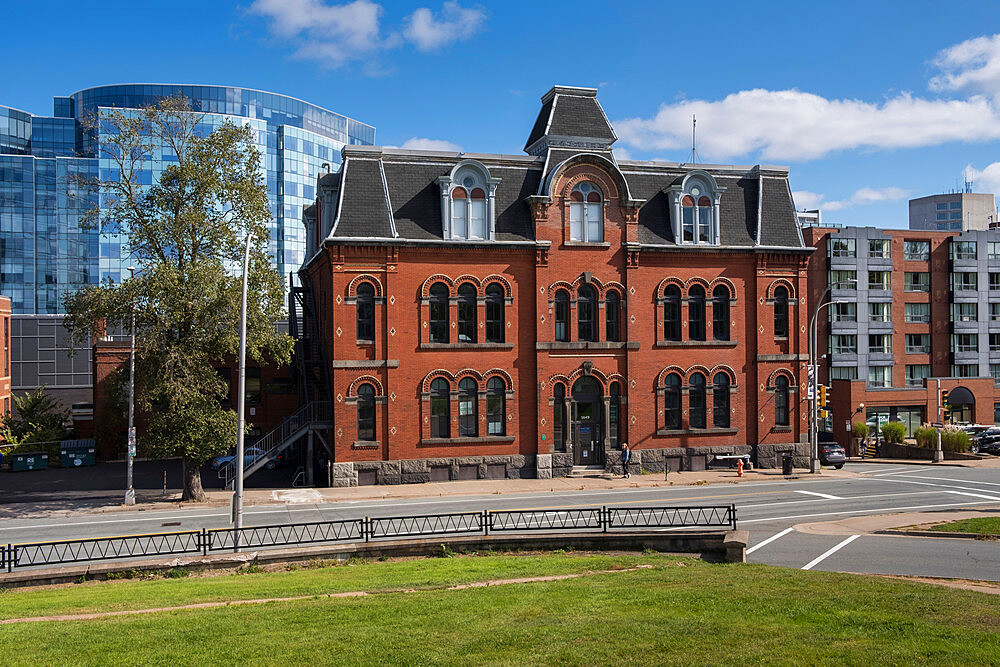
{"type": "Point", "coordinates": [44, 253]}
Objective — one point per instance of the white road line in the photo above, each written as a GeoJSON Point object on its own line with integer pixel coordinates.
{"type": "Point", "coordinates": [820, 500]}
{"type": "Point", "coordinates": [870, 511]}
{"type": "Point", "coordinates": [960, 481]}
{"type": "Point", "coordinates": [974, 495]}
{"type": "Point", "coordinates": [895, 472]}
{"type": "Point", "coordinates": [821, 557]}
{"type": "Point", "coordinates": [941, 486]}
{"type": "Point", "coordinates": [769, 540]}
{"type": "Point", "coordinates": [821, 495]}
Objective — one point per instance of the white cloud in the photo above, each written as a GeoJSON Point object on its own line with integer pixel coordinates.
{"type": "Point", "coordinates": [456, 23]}
{"type": "Point", "coordinates": [621, 153]}
{"type": "Point", "coordinates": [971, 65]}
{"type": "Point", "coordinates": [422, 144]}
{"type": "Point", "coordinates": [330, 34]}
{"type": "Point", "coordinates": [790, 125]}
{"type": "Point", "coordinates": [987, 179]}
{"type": "Point", "coordinates": [335, 34]}
{"type": "Point", "coordinates": [804, 199]}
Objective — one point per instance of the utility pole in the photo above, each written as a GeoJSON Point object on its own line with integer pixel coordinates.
{"type": "Point", "coordinates": [241, 409]}
{"type": "Point", "coordinates": [129, 490]}
{"type": "Point", "coordinates": [814, 385]}
{"type": "Point", "coordinates": [939, 453]}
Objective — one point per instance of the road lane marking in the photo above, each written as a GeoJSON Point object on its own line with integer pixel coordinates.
{"type": "Point", "coordinates": [942, 486]}
{"type": "Point", "coordinates": [894, 472]}
{"type": "Point", "coordinates": [871, 511]}
{"type": "Point", "coordinates": [974, 495]}
{"type": "Point", "coordinates": [820, 500]}
{"type": "Point", "coordinates": [830, 552]}
{"type": "Point", "coordinates": [960, 481]}
{"type": "Point", "coordinates": [769, 540]}
{"type": "Point", "coordinates": [821, 495]}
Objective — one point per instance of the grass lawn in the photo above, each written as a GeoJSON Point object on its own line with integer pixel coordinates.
{"type": "Point", "coordinates": [681, 611]}
{"type": "Point", "coordinates": [988, 525]}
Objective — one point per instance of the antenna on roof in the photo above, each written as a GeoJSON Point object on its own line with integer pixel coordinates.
{"type": "Point", "coordinates": [694, 140]}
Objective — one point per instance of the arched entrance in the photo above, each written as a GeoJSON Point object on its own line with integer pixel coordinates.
{"type": "Point", "coordinates": [961, 404]}
{"type": "Point", "coordinates": [587, 422]}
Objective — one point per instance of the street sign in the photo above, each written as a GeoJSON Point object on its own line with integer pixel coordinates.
{"type": "Point", "coordinates": [131, 441]}
{"type": "Point", "coordinates": [937, 425]}
{"type": "Point", "coordinates": [809, 387]}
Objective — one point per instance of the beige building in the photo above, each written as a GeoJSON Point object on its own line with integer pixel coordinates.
{"type": "Point", "coordinates": [959, 211]}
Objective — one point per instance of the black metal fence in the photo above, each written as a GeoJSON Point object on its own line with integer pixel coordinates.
{"type": "Point", "coordinates": [205, 541]}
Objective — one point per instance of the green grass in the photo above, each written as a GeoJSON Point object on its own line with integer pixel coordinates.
{"type": "Point", "coordinates": [682, 611]}
{"type": "Point", "coordinates": [989, 525]}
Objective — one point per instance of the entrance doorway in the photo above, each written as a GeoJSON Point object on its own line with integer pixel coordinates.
{"type": "Point", "coordinates": [588, 423]}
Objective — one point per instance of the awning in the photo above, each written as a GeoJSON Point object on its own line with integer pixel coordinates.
{"type": "Point", "coordinates": [961, 396]}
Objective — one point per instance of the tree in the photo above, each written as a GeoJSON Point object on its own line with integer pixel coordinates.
{"type": "Point", "coordinates": [36, 418]}
{"type": "Point", "coordinates": [186, 235]}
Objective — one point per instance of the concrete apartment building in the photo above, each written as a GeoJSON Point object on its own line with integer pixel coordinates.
{"type": "Point", "coordinates": [957, 211]}
{"type": "Point", "coordinates": [914, 307]}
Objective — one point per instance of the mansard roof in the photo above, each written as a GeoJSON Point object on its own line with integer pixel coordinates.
{"type": "Point", "coordinates": [394, 194]}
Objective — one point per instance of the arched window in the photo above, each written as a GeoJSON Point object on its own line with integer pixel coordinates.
{"type": "Point", "coordinates": [559, 417]}
{"type": "Point", "coordinates": [781, 312]}
{"type": "Point", "coordinates": [466, 313]}
{"type": "Point", "coordinates": [586, 213]}
{"type": "Point", "coordinates": [494, 313]}
{"type": "Point", "coordinates": [696, 313]}
{"type": "Point", "coordinates": [365, 312]}
{"type": "Point", "coordinates": [720, 400]}
{"type": "Point", "coordinates": [440, 409]}
{"type": "Point", "coordinates": [612, 317]}
{"type": "Point", "coordinates": [586, 305]}
{"type": "Point", "coordinates": [468, 209]}
{"type": "Point", "coordinates": [366, 413]}
{"type": "Point", "coordinates": [496, 408]}
{"type": "Point", "coordinates": [672, 313]}
{"type": "Point", "coordinates": [439, 313]}
{"type": "Point", "coordinates": [696, 401]}
{"type": "Point", "coordinates": [672, 401]}
{"type": "Point", "coordinates": [468, 408]}
{"type": "Point", "coordinates": [614, 404]}
{"type": "Point", "coordinates": [781, 401]}
{"type": "Point", "coordinates": [720, 313]}
{"type": "Point", "coordinates": [562, 315]}
{"type": "Point", "coordinates": [697, 212]}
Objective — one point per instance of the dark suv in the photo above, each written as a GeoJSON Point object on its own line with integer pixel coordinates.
{"type": "Point", "coordinates": [832, 454]}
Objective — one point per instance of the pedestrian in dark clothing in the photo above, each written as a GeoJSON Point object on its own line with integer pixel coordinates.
{"type": "Point", "coordinates": [626, 457]}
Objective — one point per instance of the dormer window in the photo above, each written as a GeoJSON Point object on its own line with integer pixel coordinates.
{"type": "Point", "coordinates": [696, 210]}
{"type": "Point", "coordinates": [468, 203]}
{"type": "Point", "coordinates": [586, 214]}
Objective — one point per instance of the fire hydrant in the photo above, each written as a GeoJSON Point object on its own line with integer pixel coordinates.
{"type": "Point", "coordinates": [739, 467]}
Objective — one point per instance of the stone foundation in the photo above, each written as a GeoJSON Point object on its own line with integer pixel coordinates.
{"type": "Point", "coordinates": [418, 471]}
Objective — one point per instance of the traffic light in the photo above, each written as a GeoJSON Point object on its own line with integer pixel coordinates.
{"type": "Point", "coordinates": [945, 408]}
{"type": "Point", "coordinates": [822, 396]}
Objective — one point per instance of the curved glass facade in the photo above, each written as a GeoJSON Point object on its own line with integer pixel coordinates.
{"type": "Point", "coordinates": [43, 252]}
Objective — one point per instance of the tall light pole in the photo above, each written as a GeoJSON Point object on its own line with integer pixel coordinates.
{"type": "Point", "coordinates": [240, 410]}
{"type": "Point", "coordinates": [813, 440]}
{"type": "Point", "coordinates": [129, 490]}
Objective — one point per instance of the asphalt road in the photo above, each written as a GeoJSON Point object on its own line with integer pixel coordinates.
{"type": "Point", "coordinates": [768, 510]}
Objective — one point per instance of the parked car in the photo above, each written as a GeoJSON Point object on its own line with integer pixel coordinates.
{"type": "Point", "coordinates": [832, 454]}
{"type": "Point", "coordinates": [250, 455]}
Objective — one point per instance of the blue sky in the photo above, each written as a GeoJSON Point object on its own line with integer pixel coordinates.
{"type": "Point", "coordinates": [869, 103]}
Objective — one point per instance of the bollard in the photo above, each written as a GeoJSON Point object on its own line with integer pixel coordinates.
{"type": "Point", "coordinates": [666, 471]}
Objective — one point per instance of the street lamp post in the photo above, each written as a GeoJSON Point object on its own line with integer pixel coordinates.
{"type": "Point", "coordinates": [240, 410]}
{"type": "Point", "coordinates": [129, 490]}
{"type": "Point", "coordinates": [813, 440]}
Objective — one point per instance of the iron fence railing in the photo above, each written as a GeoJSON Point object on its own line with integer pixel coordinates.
{"type": "Point", "coordinates": [204, 541]}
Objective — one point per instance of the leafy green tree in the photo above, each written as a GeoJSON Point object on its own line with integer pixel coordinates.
{"type": "Point", "coordinates": [186, 236]}
{"type": "Point", "coordinates": [36, 418]}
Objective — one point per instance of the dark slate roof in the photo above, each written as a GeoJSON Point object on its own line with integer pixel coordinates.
{"type": "Point", "coordinates": [571, 112]}
{"type": "Point", "coordinates": [363, 209]}
{"type": "Point", "coordinates": [780, 226]}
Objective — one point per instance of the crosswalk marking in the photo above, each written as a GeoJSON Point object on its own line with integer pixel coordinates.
{"type": "Point", "coordinates": [769, 540]}
{"type": "Point", "coordinates": [830, 552]}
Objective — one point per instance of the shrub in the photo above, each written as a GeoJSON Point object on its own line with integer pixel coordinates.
{"type": "Point", "coordinates": [893, 432]}
{"type": "Point", "coordinates": [925, 437]}
{"type": "Point", "coordinates": [954, 439]}
{"type": "Point", "coordinates": [859, 430]}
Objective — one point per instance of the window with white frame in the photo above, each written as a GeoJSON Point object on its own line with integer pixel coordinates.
{"type": "Point", "coordinates": [994, 312]}
{"type": "Point", "coordinates": [880, 312]}
{"type": "Point", "coordinates": [963, 249]}
{"type": "Point", "coordinates": [843, 280]}
{"type": "Point", "coordinates": [919, 343]}
{"type": "Point", "coordinates": [995, 342]}
{"type": "Point", "coordinates": [586, 213]}
{"type": "Point", "coordinates": [916, 281]}
{"type": "Point", "coordinates": [878, 248]}
{"type": "Point", "coordinates": [467, 204]}
{"type": "Point", "coordinates": [879, 280]}
{"type": "Point", "coordinates": [842, 247]}
{"type": "Point", "coordinates": [880, 343]}
{"type": "Point", "coordinates": [917, 250]}
{"type": "Point", "coordinates": [915, 374]}
{"type": "Point", "coordinates": [880, 376]}
{"type": "Point", "coordinates": [844, 373]}
{"type": "Point", "coordinates": [844, 312]}
{"type": "Point", "coordinates": [964, 312]}
{"type": "Point", "coordinates": [964, 370]}
{"type": "Point", "coordinates": [695, 215]}
{"type": "Point", "coordinates": [995, 372]}
{"type": "Point", "coordinates": [993, 250]}
{"type": "Point", "coordinates": [844, 344]}
{"type": "Point", "coordinates": [965, 342]}
{"type": "Point", "coordinates": [964, 280]}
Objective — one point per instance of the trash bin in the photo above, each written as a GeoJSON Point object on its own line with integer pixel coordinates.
{"type": "Point", "coordinates": [786, 464]}
{"type": "Point", "coordinates": [29, 461]}
{"type": "Point", "coordinates": [76, 453]}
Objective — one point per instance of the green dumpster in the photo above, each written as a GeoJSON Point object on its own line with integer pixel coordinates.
{"type": "Point", "coordinates": [29, 461]}
{"type": "Point", "coordinates": [76, 453]}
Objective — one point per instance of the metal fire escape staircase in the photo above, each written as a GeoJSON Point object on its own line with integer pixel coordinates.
{"type": "Point", "coordinates": [311, 373]}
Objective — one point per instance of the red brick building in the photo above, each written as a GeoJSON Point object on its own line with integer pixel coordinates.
{"type": "Point", "coordinates": [483, 315]}
{"type": "Point", "coordinates": [917, 308]}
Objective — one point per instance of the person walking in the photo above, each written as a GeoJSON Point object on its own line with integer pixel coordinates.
{"type": "Point", "coordinates": [626, 457]}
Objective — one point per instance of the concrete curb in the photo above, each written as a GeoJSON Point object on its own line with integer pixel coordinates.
{"type": "Point", "coordinates": [939, 533]}
{"type": "Point", "coordinates": [712, 545]}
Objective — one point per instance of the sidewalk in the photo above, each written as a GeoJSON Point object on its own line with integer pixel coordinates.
{"type": "Point", "coordinates": [992, 462]}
